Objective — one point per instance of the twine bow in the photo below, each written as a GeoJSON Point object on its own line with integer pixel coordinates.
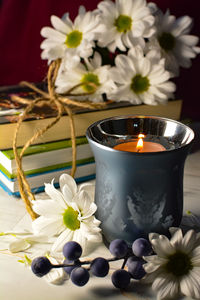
{"type": "Point", "coordinates": [62, 104]}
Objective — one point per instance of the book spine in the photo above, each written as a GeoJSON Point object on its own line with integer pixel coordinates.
{"type": "Point", "coordinates": [83, 170]}
{"type": "Point", "coordinates": [82, 121]}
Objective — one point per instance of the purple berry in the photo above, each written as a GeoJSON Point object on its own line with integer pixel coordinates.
{"type": "Point", "coordinates": [41, 266]}
{"type": "Point", "coordinates": [72, 251]}
{"type": "Point", "coordinates": [99, 267]}
{"type": "Point", "coordinates": [135, 267]}
{"type": "Point", "coordinates": [74, 264]}
{"type": "Point", "coordinates": [121, 279]}
{"type": "Point", "coordinates": [141, 247]}
{"type": "Point", "coordinates": [118, 248]}
{"type": "Point", "coordinates": [79, 276]}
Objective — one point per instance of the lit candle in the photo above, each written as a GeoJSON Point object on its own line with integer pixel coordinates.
{"type": "Point", "coordinates": [140, 146]}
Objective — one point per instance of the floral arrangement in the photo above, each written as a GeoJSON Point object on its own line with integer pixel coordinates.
{"type": "Point", "coordinates": [128, 50]}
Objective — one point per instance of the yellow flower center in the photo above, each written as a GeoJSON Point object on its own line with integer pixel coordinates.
{"type": "Point", "coordinates": [91, 82]}
{"type": "Point", "coordinates": [167, 41]}
{"type": "Point", "coordinates": [139, 84]}
{"type": "Point", "coordinates": [74, 39]}
{"type": "Point", "coordinates": [123, 23]}
{"type": "Point", "coordinates": [179, 264]}
{"type": "Point", "coordinates": [70, 219]}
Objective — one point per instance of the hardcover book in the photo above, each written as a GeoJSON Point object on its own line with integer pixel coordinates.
{"type": "Point", "coordinates": [83, 118]}
{"type": "Point", "coordinates": [85, 171]}
{"type": "Point", "coordinates": [44, 155]}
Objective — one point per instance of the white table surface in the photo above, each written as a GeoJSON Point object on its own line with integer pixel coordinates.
{"type": "Point", "coordinates": [17, 282]}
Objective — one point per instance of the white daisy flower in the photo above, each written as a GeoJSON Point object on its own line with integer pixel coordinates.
{"type": "Point", "coordinates": [75, 38]}
{"type": "Point", "coordinates": [173, 40]}
{"type": "Point", "coordinates": [175, 269]}
{"type": "Point", "coordinates": [125, 23]}
{"type": "Point", "coordinates": [67, 214]}
{"type": "Point", "coordinates": [142, 79]}
{"type": "Point", "coordinates": [92, 72]}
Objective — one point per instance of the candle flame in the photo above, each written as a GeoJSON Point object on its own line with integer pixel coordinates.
{"type": "Point", "coordinates": [140, 142]}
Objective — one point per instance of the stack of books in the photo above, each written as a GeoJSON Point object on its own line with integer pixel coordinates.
{"type": "Point", "coordinates": [44, 162]}
{"type": "Point", "coordinates": [51, 154]}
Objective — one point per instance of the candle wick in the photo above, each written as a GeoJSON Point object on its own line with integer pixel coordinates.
{"type": "Point", "coordinates": [138, 150]}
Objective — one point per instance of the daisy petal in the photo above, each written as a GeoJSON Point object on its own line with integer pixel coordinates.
{"type": "Point", "coordinates": [149, 277]}
{"type": "Point", "coordinates": [37, 238]}
{"type": "Point", "coordinates": [169, 288]}
{"type": "Point", "coordinates": [182, 25]}
{"type": "Point", "coordinates": [89, 188]}
{"type": "Point", "coordinates": [19, 245]}
{"type": "Point", "coordinates": [153, 235]}
{"type": "Point", "coordinates": [56, 276]}
{"type": "Point", "coordinates": [196, 256]}
{"type": "Point", "coordinates": [80, 238]}
{"type": "Point", "coordinates": [160, 282]}
{"type": "Point", "coordinates": [177, 236]}
{"type": "Point", "coordinates": [154, 259]}
{"type": "Point", "coordinates": [68, 194]}
{"type": "Point", "coordinates": [187, 287]}
{"type": "Point", "coordinates": [47, 207]}
{"type": "Point", "coordinates": [150, 267]}
{"type": "Point", "coordinates": [162, 246]}
{"type": "Point", "coordinates": [89, 226]}
{"type": "Point", "coordinates": [189, 241]}
{"type": "Point", "coordinates": [54, 194]}
{"type": "Point", "coordinates": [53, 34]}
{"type": "Point", "coordinates": [86, 206]}
{"type": "Point", "coordinates": [94, 238]}
{"type": "Point", "coordinates": [68, 180]}
{"type": "Point", "coordinates": [64, 237]}
{"type": "Point", "coordinates": [59, 25]}
{"type": "Point", "coordinates": [47, 226]}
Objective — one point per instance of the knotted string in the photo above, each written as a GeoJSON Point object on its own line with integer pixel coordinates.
{"type": "Point", "coordinates": [62, 104]}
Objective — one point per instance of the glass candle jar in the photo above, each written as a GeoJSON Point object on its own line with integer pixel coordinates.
{"type": "Point", "coordinates": [139, 192]}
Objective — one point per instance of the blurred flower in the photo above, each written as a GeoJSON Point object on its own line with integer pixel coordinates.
{"type": "Point", "coordinates": [141, 79]}
{"type": "Point", "coordinates": [94, 77]}
{"type": "Point", "coordinates": [67, 214]}
{"type": "Point", "coordinates": [125, 23]}
{"type": "Point", "coordinates": [191, 220]}
{"type": "Point", "coordinates": [56, 276]}
{"type": "Point", "coordinates": [175, 268]}
{"type": "Point", "coordinates": [173, 41]}
{"type": "Point", "coordinates": [74, 39]}
{"type": "Point", "coordinates": [21, 241]}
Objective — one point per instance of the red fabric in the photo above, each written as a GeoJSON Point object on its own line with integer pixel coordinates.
{"type": "Point", "coordinates": [20, 25]}
{"type": "Point", "coordinates": [22, 20]}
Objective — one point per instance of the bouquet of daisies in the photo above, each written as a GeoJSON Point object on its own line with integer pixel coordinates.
{"type": "Point", "coordinates": [127, 50]}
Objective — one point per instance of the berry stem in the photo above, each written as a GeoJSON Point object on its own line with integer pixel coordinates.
{"type": "Point", "coordinates": [124, 262]}
{"type": "Point", "coordinates": [114, 259]}
{"type": "Point", "coordinates": [71, 265]}
{"type": "Point", "coordinates": [87, 262]}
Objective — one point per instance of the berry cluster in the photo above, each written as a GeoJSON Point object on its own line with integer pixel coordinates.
{"type": "Point", "coordinates": [99, 267]}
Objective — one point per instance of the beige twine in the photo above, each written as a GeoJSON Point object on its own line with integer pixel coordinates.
{"type": "Point", "coordinates": [62, 105]}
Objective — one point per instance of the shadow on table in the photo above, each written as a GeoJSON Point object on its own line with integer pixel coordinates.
{"type": "Point", "coordinates": [136, 290]}
{"type": "Point", "coordinates": [104, 291]}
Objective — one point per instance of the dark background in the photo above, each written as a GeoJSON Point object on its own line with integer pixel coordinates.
{"type": "Point", "coordinates": [22, 20]}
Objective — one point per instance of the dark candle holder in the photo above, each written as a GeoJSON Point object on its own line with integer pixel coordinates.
{"type": "Point", "coordinates": [139, 193]}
